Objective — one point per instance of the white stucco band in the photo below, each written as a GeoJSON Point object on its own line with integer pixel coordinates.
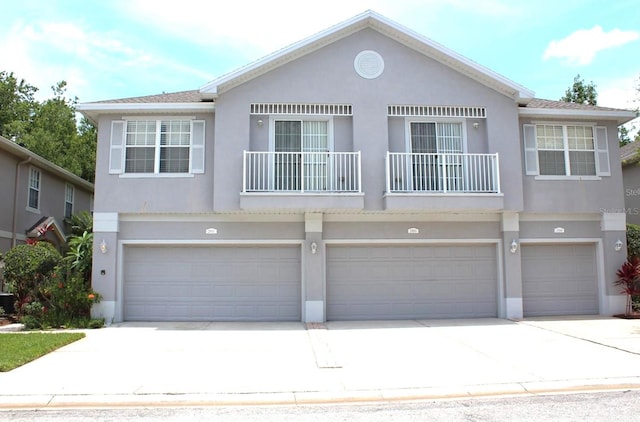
{"type": "Point", "coordinates": [313, 222]}
{"type": "Point", "coordinates": [513, 309]}
{"type": "Point", "coordinates": [510, 222]}
{"type": "Point", "coordinates": [105, 222]}
{"type": "Point", "coordinates": [612, 304]}
{"type": "Point", "coordinates": [105, 309]}
{"type": "Point", "coordinates": [613, 221]}
{"type": "Point", "coordinates": [314, 311]}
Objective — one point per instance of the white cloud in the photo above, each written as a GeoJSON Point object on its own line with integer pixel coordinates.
{"type": "Point", "coordinates": [44, 53]}
{"type": "Point", "coordinates": [581, 47]}
{"type": "Point", "coordinates": [254, 27]}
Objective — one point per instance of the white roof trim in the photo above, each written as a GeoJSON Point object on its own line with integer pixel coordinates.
{"type": "Point", "coordinates": [622, 116]}
{"type": "Point", "coordinates": [116, 107]}
{"type": "Point", "coordinates": [92, 110]}
{"type": "Point", "coordinates": [378, 22]}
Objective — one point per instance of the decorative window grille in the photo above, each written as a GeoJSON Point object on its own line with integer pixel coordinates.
{"type": "Point", "coordinates": [302, 109]}
{"type": "Point", "coordinates": [436, 111]}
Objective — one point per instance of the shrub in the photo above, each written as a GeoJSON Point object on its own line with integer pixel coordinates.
{"type": "Point", "coordinates": [80, 254]}
{"type": "Point", "coordinates": [633, 240]}
{"type": "Point", "coordinates": [26, 267]}
{"type": "Point", "coordinates": [629, 280]}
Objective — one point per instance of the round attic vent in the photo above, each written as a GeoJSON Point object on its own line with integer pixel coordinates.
{"type": "Point", "coordinates": [369, 64]}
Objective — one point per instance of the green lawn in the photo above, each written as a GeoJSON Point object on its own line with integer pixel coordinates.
{"type": "Point", "coordinates": [16, 349]}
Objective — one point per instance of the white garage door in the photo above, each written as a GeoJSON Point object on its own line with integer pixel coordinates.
{"type": "Point", "coordinates": [559, 280]}
{"type": "Point", "coordinates": [411, 282]}
{"type": "Point", "coordinates": [212, 283]}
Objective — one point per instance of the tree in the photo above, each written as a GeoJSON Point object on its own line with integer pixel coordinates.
{"type": "Point", "coordinates": [581, 93]}
{"type": "Point", "coordinates": [623, 135]}
{"type": "Point", "coordinates": [17, 105]}
{"type": "Point", "coordinates": [85, 147]}
{"type": "Point", "coordinates": [48, 129]}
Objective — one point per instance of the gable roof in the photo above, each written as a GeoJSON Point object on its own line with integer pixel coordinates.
{"type": "Point", "coordinates": [186, 101]}
{"type": "Point", "coordinates": [373, 20]}
{"type": "Point", "coordinates": [629, 154]}
{"type": "Point", "coordinates": [538, 107]}
{"type": "Point", "coordinates": [23, 153]}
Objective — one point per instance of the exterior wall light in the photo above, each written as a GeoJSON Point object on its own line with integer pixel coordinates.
{"type": "Point", "coordinates": [618, 245]}
{"type": "Point", "coordinates": [260, 122]}
{"type": "Point", "coordinates": [476, 125]}
{"type": "Point", "coordinates": [314, 247]}
{"type": "Point", "coordinates": [514, 246]}
{"type": "Point", "coordinates": [103, 246]}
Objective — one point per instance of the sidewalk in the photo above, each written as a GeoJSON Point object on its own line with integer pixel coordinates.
{"type": "Point", "coordinates": [155, 364]}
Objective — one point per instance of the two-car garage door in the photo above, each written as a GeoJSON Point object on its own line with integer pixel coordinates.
{"type": "Point", "coordinates": [222, 283]}
{"type": "Point", "coordinates": [411, 281]}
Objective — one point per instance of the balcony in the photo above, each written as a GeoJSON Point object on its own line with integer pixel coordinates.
{"type": "Point", "coordinates": [301, 180]}
{"type": "Point", "coordinates": [448, 181]}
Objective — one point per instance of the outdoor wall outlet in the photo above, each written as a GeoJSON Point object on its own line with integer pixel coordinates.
{"type": "Point", "coordinates": [103, 272]}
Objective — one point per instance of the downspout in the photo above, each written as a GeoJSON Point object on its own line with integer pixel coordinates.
{"type": "Point", "coordinates": [16, 184]}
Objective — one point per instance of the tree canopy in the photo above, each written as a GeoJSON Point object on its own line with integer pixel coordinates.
{"type": "Point", "coordinates": [581, 92]}
{"type": "Point", "coordinates": [48, 128]}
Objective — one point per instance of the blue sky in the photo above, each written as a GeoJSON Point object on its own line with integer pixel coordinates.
{"type": "Point", "coordinates": [122, 48]}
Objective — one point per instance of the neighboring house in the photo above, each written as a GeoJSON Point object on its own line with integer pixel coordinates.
{"type": "Point", "coordinates": [366, 172]}
{"type": "Point", "coordinates": [630, 158]}
{"type": "Point", "coordinates": [37, 197]}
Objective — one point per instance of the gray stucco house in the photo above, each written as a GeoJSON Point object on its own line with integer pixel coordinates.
{"type": "Point", "coordinates": [366, 172]}
{"type": "Point", "coordinates": [37, 195]}
{"type": "Point", "coordinates": [630, 158]}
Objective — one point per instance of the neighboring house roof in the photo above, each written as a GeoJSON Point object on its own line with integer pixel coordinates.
{"type": "Point", "coordinates": [375, 21]}
{"type": "Point", "coordinates": [23, 153]}
{"type": "Point", "coordinates": [548, 108]}
{"type": "Point", "coordinates": [44, 225]}
{"type": "Point", "coordinates": [629, 153]}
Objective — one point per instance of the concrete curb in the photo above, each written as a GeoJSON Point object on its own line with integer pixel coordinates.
{"type": "Point", "coordinates": [11, 328]}
{"type": "Point", "coordinates": [62, 401]}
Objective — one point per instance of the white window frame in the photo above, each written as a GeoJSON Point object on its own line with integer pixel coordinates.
{"type": "Point", "coordinates": [69, 188]}
{"type": "Point", "coordinates": [409, 120]}
{"type": "Point", "coordinates": [300, 118]}
{"type": "Point", "coordinates": [157, 146]}
{"type": "Point", "coordinates": [599, 172]}
{"type": "Point", "coordinates": [118, 147]}
{"type": "Point", "coordinates": [38, 189]}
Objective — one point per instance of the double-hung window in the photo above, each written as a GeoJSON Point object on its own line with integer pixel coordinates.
{"type": "Point", "coordinates": [566, 150]}
{"type": "Point", "coordinates": [33, 201]}
{"type": "Point", "coordinates": [157, 146]}
{"type": "Point", "coordinates": [69, 192]}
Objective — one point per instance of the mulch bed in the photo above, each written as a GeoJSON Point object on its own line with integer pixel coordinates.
{"type": "Point", "coordinates": [7, 319]}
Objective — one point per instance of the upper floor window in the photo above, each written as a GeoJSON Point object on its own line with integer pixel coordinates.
{"type": "Point", "coordinates": [33, 201]}
{"type": "Point", "coordinates": [566, 150]}
{"type": "Point", "coordinates": [172, 146]}
{"type": "Point", "coordinates": [301, 148]}
{"type": "Point", "coordinates": [69, 192]}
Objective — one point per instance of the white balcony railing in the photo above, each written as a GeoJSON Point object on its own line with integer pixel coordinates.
{"type": "Point", "coordinates": [442, 173]}
{"type": "Point", "coordinates": [329, 172]}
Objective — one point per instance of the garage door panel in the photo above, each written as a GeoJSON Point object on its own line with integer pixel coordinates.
{"type": "Point", "coordinates": [400, 282]}
{"type": "Point", "coordinates": [559, 280]}
{"type": "Point", "coordinates": [212, 283]}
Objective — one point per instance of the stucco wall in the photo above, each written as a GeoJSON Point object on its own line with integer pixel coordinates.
{"type": "Point", "coordinates": [631, 176]}
{"type": "Point", "coordinates": [152, 193]}
{"type": "Point", "coordinates": [576, 196]}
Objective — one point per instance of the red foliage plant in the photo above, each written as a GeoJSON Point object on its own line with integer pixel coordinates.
{"type": "Point", "coordinates": [629, 280]}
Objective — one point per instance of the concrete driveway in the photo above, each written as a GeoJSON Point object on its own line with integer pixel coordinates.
{"type": "Point", "coordinates": [233, 363]}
